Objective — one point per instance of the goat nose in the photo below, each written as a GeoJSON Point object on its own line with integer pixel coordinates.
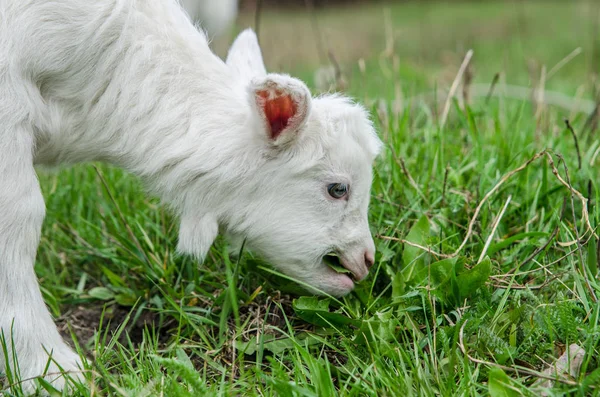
{"type": "Point", "coordinates": [369, 259]}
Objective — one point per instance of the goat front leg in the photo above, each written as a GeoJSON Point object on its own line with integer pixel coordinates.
{"type": "Point", "coordinates": [27, 330]}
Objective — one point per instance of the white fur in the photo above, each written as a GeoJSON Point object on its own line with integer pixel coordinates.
{"type": "Point", "coordinates": [133, 83]}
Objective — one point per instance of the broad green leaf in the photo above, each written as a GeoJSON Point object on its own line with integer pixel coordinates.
{"type": "Point", "coordinates": [470, 280]}
{"type": "Point", "coordinates": [274, 344]}
{"type": "Point", "coordinates": [311, 303]}
{"type": "Point", "coordinates": [500, 385]}
{"type": "Point", "coordinates": [316, 311]}
{"type": "Point", "coordinates": [441, 271]}
{"type": "Point", "coordinates": [102, 293]}
{"type": "Point", "coordinates": [184, 358]}
{"type": "Point", "coordinates": [398, 285]}
{"type": "Point", "coordinates": [438, 277]}
{"type": "Point", "coordinates": [418, 234]}
{"type": "Point", "coordinates": [126, 299]}
{"type": "Point", "coordinates": [379, 328]}
{"type": "Point", "coordinates": [386, 253]}
{"type": "Point", "coordinates": [437, 273]}
{"type": "Point", "coordinates": [413, 257]}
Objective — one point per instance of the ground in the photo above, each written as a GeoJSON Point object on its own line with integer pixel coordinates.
{"type": "Point", "coordinates": [484, 211]}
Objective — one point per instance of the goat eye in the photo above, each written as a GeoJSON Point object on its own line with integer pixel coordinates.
{"type": "Point", "coordinates": [337, 190]}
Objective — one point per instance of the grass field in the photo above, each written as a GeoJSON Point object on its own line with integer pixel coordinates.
{"type": "Point", "coordinates": [485, 224]}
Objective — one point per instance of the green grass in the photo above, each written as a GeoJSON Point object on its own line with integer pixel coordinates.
{"type": "Point", "coordinates": [170, 327]}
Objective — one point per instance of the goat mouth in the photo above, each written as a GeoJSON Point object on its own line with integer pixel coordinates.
{"type": "Point", "coordinates": [334, 262]}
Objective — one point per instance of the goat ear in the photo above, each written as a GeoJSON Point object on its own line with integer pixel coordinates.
{"type": "Point", "coordinates": [283, 105]}
{"type": "Point", "coordinates": [245, 57]}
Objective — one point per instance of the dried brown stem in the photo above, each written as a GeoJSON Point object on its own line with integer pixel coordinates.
{"type": "Point", "coordinates": [543, 247]}
{"type": "Point", "coordinates": [492, 88]}
{"type": "Point", "coordinates": [427, 249]}
{"type": "Point", "coordinates": [584, 201]}
{"type": "Point", "coordinates": [467, 80]}
{"type": "Point", "coordinates": [445, 184]}
{"type": "Point", "coordinates": [526, 286]}
{"type": "Point", "coordinates": [592, 121]}
{"type": "Point", "coordinates": [570, 128]}
{"type": "Point", "coordinates": [581, 262]}
{"type": "Point", "coordinates": [550, 239]}
{"type": "Point", "coordinates": [412, 182]}
{"type": "Point", "coordinates": [339, 77]}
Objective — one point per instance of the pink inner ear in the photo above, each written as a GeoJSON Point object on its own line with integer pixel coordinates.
{"type": "Point", "coordinates": [278, 111]}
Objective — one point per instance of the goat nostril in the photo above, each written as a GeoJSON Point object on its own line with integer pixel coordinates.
{"type": "Point", "coordinates": [369, 260]}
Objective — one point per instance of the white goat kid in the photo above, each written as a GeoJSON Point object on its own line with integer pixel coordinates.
{"type": "Point", "coordinates": [228, 146]}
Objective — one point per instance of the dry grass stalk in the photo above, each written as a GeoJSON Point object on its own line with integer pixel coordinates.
{"type": "Point", "coordinates": [257, 15]}
{"type": "Point", "coordinates": [584, 201]}
{"type": "Point", "coordinates": [552, 98]}
{"type": "Point", "coordinates": [494, 227]}
{"type": "Point", "coordinates": [489, 194]}
{"type": "Point", "coordinates": [445, 184]}
{"type": "Point", "coordinates": [570, 128]}
{"type": "Point", "coordinates": [591, 124]}
{"type": "Point", "coordinates": [533, 70]}
{"type": "Point", "coordinates": [413, 183]}
{"type": "Point", "coordinates": [578, 99]}
{"type": "Point", "coordinates": [492, 87]}
{"type": "Point", "coordinates": [426, 249]}
{"type": "Point", "coordinates": [539, 99]}
{"type": "Point", "coordinates": [467, 81]}
{"type": "Point", "coordinates": [388, 52]}
{"type": "Point", "coordinates": [340, 81]}
{"type": "Point", "coordinates": [454, 87]}
{"type": "Point", "coordinates": [590, 231]}
{"type": "Point", "coordinates": [389, 33]}
{"type": "Point", "coordinates": [577, 238]}
{"type": "Point", "coordinates": [310, 7]}
{"type": "Point", "coordinates": [563, 62]}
